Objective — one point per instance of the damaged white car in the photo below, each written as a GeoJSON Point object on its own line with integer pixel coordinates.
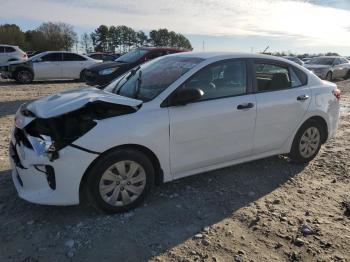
{"type": "Point", "coordinates": [175, 116]}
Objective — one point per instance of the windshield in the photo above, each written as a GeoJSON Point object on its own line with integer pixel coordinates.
{"type": "Point", "coordinates": [132, 56]}
{"type": "Point", "coordinates": [147, 81]}
{"type": "Point", "coordinates": [321, 61]}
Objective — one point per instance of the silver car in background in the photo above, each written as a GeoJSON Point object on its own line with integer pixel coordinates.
{"type": "Point", "coordinates": [329, 67]}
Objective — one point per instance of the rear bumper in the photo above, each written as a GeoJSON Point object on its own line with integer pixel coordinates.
{"type": "Point", "coordinates": [30, 174]}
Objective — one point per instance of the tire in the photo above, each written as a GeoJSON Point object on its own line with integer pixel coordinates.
{"type": "Point", "coordinates": [307, 142]}
{"type": "Point", "coordinates": [329, 76]}
{"type": "Point", "coordinates": [24, 76]}
{"type": "Point", "coordinates": [347, 76]}
{"type": "Point", "coordinates": [110, 188]}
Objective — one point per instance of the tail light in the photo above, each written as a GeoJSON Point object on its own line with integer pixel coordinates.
{"type": "Point", "coordinates": [337, 93]}
{"type": "Point", "coordinates": [25, 55]}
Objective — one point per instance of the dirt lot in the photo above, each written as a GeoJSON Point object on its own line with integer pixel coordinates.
{"type": "Point", "coordinates": [266, 210]}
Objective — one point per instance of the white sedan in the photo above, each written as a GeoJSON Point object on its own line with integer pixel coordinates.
{"type": "Point", "coordinates": [173, 117]}
{"type": "Point", "coordinates": [51, 65]}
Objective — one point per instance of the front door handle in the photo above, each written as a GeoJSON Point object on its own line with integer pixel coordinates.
{"type": "Point", "coordinates": [245, 106]}
{"type": "Point", "coordinates": [302, 97]}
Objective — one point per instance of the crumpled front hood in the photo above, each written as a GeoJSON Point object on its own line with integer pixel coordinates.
{"type": "Point", "coordinates": [314, 66]}
{"type": "Point", "coordinates": [73, 99]}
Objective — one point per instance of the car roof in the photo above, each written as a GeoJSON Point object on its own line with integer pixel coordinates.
{"type": "Point", "coordinates": [213, 55]}
{"type": "Point", "coordinates": [9, 45]}
{"type": "Point", "coordinates": [162, 48]}
{"type": "Point", "coordinates": [329, 57]}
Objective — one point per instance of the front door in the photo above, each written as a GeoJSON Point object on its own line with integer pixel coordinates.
{"type": "Point", "coordinates": [49, 66]}
{"type": "Point", "coordinates": [219, 127]}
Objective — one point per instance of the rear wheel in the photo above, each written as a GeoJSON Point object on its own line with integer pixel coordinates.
{"type": "Point", "coordinates": [24, 76]}
{"type": "Point", "coordinates": [329, 76]}
{"type": "Point", "coordinates": [120, 181]}
{"type": "Point", "coordinates": [307, 142]}
{"type": "Point", "coordinates": [347, 76]}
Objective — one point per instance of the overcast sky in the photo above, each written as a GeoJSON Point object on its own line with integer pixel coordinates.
{"type": "Point", "coordinates": [223, 25]}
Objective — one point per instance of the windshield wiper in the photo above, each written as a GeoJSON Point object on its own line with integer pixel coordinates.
{"type": "Point", "coordinates": [132, 72]}
{"type": "Point", "coordinates": [138, 84]}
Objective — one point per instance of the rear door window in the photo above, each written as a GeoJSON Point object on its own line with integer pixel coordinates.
{"type": "Point", "coordinates": [272, 77]}
{"type": "Point", "coordinates": [72, 57]}
{"type": "Point", "coordinates": [2, 49]}
{"type": "Point", "coordinates": [52, 57]}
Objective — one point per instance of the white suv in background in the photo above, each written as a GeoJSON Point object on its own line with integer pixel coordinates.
{"type": "Point", "coordinates": [9, 53]}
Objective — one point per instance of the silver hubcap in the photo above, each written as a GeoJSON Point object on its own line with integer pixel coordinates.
{"type": "Point", "coordinates": [122, 183]}
{"type": "Point", "coordinates": [309, 142]}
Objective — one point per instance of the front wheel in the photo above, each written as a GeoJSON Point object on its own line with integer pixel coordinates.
{"type": "Point", "coordinates": [120, 180]}
{"type": "Point", "coordinates": [24, 76]}
{"type": "Point", "coordinates": [307, 142]}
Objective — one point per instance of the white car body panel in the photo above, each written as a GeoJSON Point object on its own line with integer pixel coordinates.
{"type": "Point", "coordinates": [186, 140]}
{"type": "Point", "coordinates": [47, 70]}
{"type": "Point", "coordinates": [272, 130]}
{"type": "Point", "coordinates": [55, 70]}
{"type": "Point", "coordinates": [195, 143]}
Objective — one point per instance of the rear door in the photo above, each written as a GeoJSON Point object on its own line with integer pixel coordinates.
{"type": "Point", "coordinates": [282, 100]}
{"type": "Point", "coordinates": [72, 65]}
{"type": "Point", "coordinates": [219, 127]}
{"type": "Point", "coordinates": [48, 66]}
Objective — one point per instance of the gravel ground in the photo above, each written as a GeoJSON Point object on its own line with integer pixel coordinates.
{"type": "Point", "coordinates": [266, 210]}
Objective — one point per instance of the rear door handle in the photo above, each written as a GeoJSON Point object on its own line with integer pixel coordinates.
{"type": "Point", "coordinates": [245, 106]}
{"type": "Point", "coordinates": [302, 97]}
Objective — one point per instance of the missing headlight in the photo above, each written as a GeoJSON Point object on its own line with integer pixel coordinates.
{"type": "Point", "coordinates": [52, 134]}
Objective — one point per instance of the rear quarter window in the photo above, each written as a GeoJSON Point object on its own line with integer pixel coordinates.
{"type": "Point", "coordinates": [301, 75]}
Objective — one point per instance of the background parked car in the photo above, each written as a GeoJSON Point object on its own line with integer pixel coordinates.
{"type": "Point", "coordinates": [294, 59]}
{"type": "Point", "coordinates": [33, 53]}
{"type": "Point", "coordinates": [50, 65]}
{"type": "Point", "coordinates": [329, 67]}
{"type": "Point", "coordinates": [103, 56]}
{"type": "Point", "coordinates": [9, 53]}
{"type": "Point", "coordinates": [103, 74]}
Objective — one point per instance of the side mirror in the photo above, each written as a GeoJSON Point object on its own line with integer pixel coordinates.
{"type": "Point", "coordinates": [185, 96]}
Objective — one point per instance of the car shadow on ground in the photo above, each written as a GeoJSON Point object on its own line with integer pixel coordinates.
{"type": "Point", "coordinates": [175, 212]}
{"type": "Point", "coordinates": [10, 107]}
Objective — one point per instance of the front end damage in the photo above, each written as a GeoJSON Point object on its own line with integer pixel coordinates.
{"type": "Point", "coordinates": [47, 166]}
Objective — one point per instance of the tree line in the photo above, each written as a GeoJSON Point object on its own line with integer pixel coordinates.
{"type": "Point", "coordinates": [61, 36]}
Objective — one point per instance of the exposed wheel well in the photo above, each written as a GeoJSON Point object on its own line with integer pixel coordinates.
{"type": "Point", "coordinates": [23, 68]}
{"type": "Point", "coordinates": [323, 124]}
{"type": "Point", "coordinates": [149, 153]}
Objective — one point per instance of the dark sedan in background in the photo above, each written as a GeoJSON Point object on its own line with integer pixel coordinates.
{"type": "Point", "coordinates": [103, 56]}
{"type": "Point", "coordinates": [103, 73]}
